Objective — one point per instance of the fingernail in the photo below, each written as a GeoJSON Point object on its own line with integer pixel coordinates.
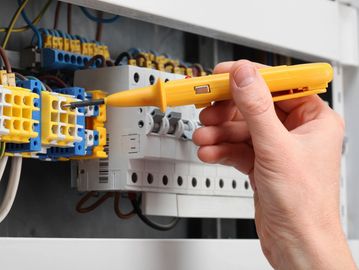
{"type": "Point", "coordinates": [244, 76]}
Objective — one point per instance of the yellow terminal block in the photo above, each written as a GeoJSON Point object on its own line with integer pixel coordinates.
{"type": "Point", "coordinates": [11, 81]}
{"type": "Point", "coordinates": [17, 107]}
{"type": "Point", "coordinates": [98, 123]}
{"type": "Point", "coordinates": [91, 49]}
{"type": "Point", "coordinates": [66, 44]}
{"type": "Point", "coordinates": [132, 62]}
{"type": "Point", "coordinates": [96, 49]}
{"type": "Point", "coordinates": [85, 48]}
{"type": "Point", "coordinates": [106, 52]}
{"type": "Point", "coordinates": [47, 40]}
{"type": "Point", "coordinates": [284, 82]}
{"type": "Point", "coordinates": [100, 50]}
{"type": "Point", "coordinates": [3, 78]}
{"type": "Point", "coordinates": [57, 43]}
{"type": "Point", "coordinates": [75, 46]}
{"type": "Point", "coordinates": [58, 125]}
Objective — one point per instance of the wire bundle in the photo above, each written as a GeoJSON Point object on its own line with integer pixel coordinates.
{"type": "Point", "coordinates": [135, 202]}
{"type": "Point", "coordinates": [16, 163]}
{"type": "Point", "coordinates": [30, 24]}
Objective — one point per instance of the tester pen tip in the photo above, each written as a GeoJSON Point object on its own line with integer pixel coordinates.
{"type": "Point", "coordinates": [78, 104]}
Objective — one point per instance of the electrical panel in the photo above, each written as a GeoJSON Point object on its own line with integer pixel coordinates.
{"type": "Point", "coordinates": [152, 152]}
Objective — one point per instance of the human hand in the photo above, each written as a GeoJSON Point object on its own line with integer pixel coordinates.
{"type": "Point", "coordinates": [291, 152]}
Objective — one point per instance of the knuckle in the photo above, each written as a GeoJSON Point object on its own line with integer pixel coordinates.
{"type": "Point", "coordinates": [240, 64]}
{"type": "Point", "coordinates": [257, 105]}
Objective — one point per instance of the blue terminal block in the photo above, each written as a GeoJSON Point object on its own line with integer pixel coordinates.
{"type": "Point", "coordinates": [34, 144]}
{"type": "Point", "coordinates": [52, 59]}
{"type": "Point", "coordinates": [91, 111]}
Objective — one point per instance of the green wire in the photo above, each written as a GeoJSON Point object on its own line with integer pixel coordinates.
{"type": "Point", "coordinates": [34, 22]}
{"type": "Point", "coordinates": [12, 23]}
{"type": "Point", "coordinates": [2, 149]}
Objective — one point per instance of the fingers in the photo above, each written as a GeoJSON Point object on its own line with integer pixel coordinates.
{"type": "Point", "coordinates": [254, 100]}
{"type": "Point", "coordinates": [305, 112]}
{"type": "Point", "coordinates": [289, 105]}
{"type": "Point", "coordinates": [239, 155]}
{"type": "Point", "coordinates": [231, 132]}
{"type": "Point", "coordinates": [219, 113]}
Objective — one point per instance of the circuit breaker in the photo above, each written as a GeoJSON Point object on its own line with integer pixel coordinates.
{"type": "Point", "coordinates": [152, 152]}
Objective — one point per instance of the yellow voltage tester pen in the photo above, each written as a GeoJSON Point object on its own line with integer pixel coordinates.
{"type": "Point", "coordinates": [284, 82]}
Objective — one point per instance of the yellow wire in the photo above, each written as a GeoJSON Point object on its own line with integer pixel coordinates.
{"type": "Point", "coordinates": [13, 21]}
{"type": "Point", "coordinates": [34, 22]}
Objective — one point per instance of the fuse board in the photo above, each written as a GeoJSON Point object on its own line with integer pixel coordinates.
{"type": "Point", "coordinates": [152, 151]}
{"type": "Point", "coordinates": [115, 154]}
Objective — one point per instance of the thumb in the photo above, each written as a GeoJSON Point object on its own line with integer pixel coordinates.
{"type": "Point", "coordinates": [254, 100]}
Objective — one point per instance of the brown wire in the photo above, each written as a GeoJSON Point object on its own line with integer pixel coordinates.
{"type": "Point", "coordinates": [116, 206]}
{"type": "Point", "coordinates": [97, 203]}
{"type": "Point", "coordinates": [57, 14]}
{"type": "Point", "coordinates": [109, 63]}
{"type": "Point", "coordinates": [20, 76]}
{"type": "Point", "coordinates": [156, 64]}
{"type": "Point", "coordinates": [48, 88]}
{"type": "Point", "coordinates": [93, 60]}
{"type": "Point", "coordinates": [198, 68]}
{"type": "Point", "coordinates": [169, 63]}
{"type": "Point", "coordinates": [141, 56]}
{"type": "Point", "coordinates": [5, 60]}
{"type": "Point", "coordinates": [99, 26]}
{"type": "Point", "coordinates": [54, 79]}
{"type": "Point", "coordinates": [69, 18]}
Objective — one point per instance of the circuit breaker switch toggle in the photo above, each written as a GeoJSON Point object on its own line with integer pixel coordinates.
{"type": "Point", "coordinates": [173, 119]}
{"type": "Point", "coordinates": [157, 117]}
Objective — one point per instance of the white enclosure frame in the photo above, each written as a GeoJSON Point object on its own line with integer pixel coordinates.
{"type": "Point", "coordinates": [307, 29]}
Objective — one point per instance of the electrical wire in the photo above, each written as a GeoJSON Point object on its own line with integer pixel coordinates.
{"type": "Point", "coordinates": [121, 56]}
{"type": "Point", "coordinates": [81, 209]}
{"type": "Point", "coordinates": [96, 19]}
{"type": "Point", "coordinates": [12, 22]}
{"type": "Point", "coordinates": [69, 18]}
{"type": "Point", "coordinates": [138, 60]}
{"type": "Point", "coordinates": [57, 14]}
{"type": "Point", "coordinates": [5, 60]}
{"type": "Point", "coordinates": [3, 163]}
{"type": "Point", "coordinates": [109, 63]}
{"type": "Point", "coordinates": [11, 188]}
{"type": "Point", "coordinates": [170, 64]}
{"type": "Point", "coordinates": [20, 76]}
{"type": "Point", "coordinates": [33, 27]}
{"type": "Point", "coordinates": [2, 149]}
{"type": "Point", "coordinates": [197, 69]}
{"type": "Point", "coordinates": [8, 68]}
{"type": "Point", "coordinates": [116, 203]}
{"type": "Point", "coordinates": [34, 22]}
{"type": "Point", "coordinates": [94, 59]}
{"type": "Point", "coordinates": [53, 79]}
{"type": "Point", "coordinates": [99, 27]}
{"type": "Point", "coordinates": [154, 225]}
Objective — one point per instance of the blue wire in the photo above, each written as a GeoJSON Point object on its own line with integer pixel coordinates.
{"type": "Point", "coordinates": [96, 19]}
{"type": "Point", "coordinates": [33, 28]}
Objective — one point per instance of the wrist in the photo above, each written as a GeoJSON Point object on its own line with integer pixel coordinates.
{"type": "Point", "coordinates": [326, 248]}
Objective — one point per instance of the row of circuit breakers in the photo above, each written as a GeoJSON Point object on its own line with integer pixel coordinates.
{"type": "Point", "coordinates": [122, 149]}
{"type": "Point", "coordinates": [152, 152]}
